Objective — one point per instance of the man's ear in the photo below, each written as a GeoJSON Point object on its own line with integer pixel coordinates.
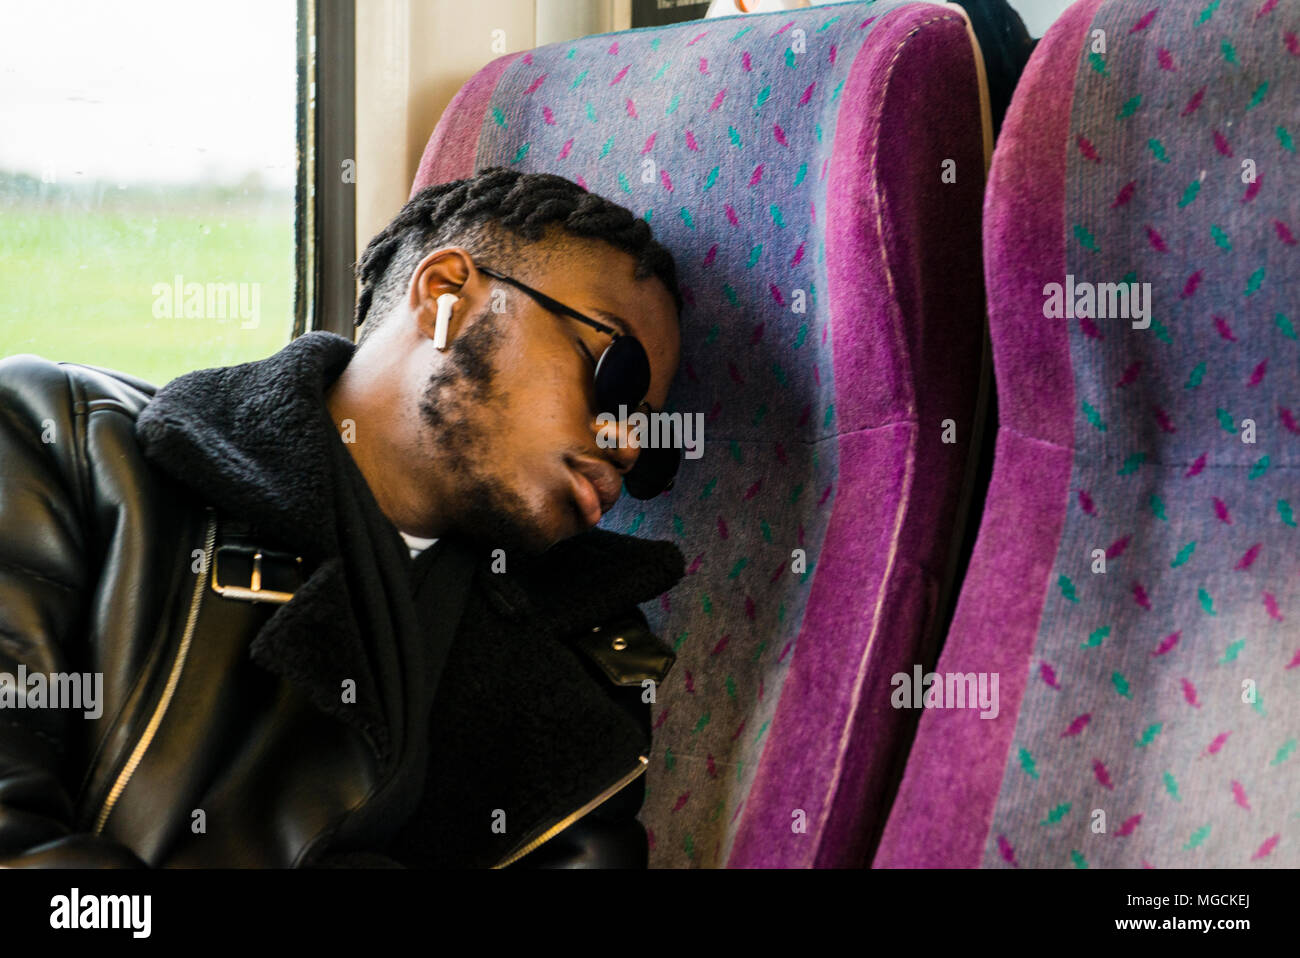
{"type": "Point", "coordinates": [441, 273]}
{"type": "Point", "coordinates": [444, 270]}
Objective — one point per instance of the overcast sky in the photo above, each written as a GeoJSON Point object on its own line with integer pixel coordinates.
{"type": "Point", "coordinates": [172, 90]}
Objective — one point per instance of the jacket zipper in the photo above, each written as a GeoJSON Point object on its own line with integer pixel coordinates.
{"type": "Point", "coordinates": [569, 819]}
{"type": "Point", "coordinates": [173, 679]}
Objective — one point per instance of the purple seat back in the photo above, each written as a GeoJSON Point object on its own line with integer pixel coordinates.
{"type": "Point", "coordinates": [831, 276]}
{"type": "Point", "coordinates": [1136, 582]}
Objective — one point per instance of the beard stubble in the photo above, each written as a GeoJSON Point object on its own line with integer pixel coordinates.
{"type": "Point", "coordinates": [489, 515]}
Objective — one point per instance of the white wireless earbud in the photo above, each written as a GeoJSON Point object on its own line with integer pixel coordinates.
{"type": "Point", "coordinates": [445, 303]}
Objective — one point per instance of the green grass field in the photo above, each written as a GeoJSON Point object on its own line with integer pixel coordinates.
{"type": "Point", "coordinates": [77, 280]}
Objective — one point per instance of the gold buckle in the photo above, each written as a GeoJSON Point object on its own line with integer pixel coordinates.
{"type": "Point", "coordinates": [254, 592]}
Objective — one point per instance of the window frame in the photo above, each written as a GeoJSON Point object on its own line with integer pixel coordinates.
{"type": "Point", "coordinates": [324, 295]}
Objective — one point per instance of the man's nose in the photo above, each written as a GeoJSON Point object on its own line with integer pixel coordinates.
{"type": "Point", "coordinates": [614, 439]}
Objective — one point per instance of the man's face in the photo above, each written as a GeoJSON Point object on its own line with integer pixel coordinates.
{"type": "Point", "coordinates": [508, 416]}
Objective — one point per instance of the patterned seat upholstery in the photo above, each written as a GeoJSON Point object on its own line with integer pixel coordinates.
{"type": "Point", "coordinates": [794, 164]}
{"type": "Point", "coordinates": [1149, 713]}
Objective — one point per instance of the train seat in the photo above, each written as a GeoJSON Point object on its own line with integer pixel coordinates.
{"type": "Point", "coordinates": [818, 175]}
{"type": "Point", "coordinates": [1135, 580]}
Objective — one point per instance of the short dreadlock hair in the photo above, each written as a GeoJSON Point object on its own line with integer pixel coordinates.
{"type": "Point", "coordinates": [497, 214]}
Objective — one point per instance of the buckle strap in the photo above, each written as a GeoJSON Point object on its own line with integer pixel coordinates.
{"type": "Point", "coordinates": [244, 569]}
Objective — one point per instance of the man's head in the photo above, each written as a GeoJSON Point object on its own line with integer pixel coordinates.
{"type": "Point", "coordinates": [490, 437]}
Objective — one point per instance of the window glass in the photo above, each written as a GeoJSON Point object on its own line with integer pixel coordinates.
{"type": "Point", "coordinates": [147, 168]}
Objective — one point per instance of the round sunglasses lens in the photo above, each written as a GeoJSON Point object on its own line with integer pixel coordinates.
{"type": "Point", "coordinates": [622, 376]}
{"type": "Point", "coordinates": [653, 472]}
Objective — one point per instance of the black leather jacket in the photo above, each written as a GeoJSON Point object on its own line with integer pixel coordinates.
{"type": "Point", "coordinates": [220, 739]}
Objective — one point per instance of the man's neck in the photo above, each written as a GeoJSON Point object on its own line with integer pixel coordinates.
{"type": "Point", "coordinates": [360, 404]}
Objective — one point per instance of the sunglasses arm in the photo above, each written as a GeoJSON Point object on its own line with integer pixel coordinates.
{"type": "Point", "coordinates": [554, 306]}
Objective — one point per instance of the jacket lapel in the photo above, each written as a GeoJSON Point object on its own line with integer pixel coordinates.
{"type": "Point", "coordinates": [582, 581]}
{"type": "Point", "coordinates": [251, 439]}
{"type": "Point", "coordinates": [290, 644]}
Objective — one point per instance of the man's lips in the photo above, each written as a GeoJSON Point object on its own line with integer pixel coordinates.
{"type": "Point", "coordinates": [599, 487]}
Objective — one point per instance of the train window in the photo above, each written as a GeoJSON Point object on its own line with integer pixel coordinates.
{"type": "Point", "coordinates": [147, 183]}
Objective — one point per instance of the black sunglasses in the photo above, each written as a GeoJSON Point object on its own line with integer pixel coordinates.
{"type": "Point", "coordinates": [622, 378]}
